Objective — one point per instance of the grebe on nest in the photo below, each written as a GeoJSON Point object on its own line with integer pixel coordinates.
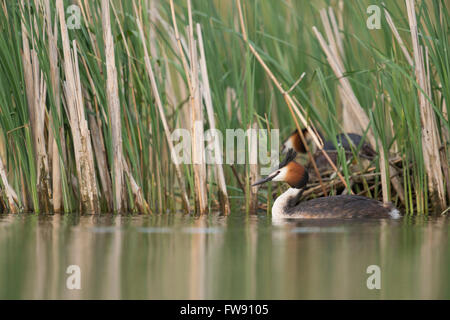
{"type": "Point", "coordinates": [288, 204]}
{"type": "Point", "coordinates": [348, 142]}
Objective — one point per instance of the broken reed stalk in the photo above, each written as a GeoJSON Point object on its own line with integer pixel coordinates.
{"type": "Point", "coordinates": [75, 111]}
{"type": "Point", "coordinates": [289, 101]}
{"type": "Point", "coordinates": [139, 199]}
{"type": "Point", "coordinates": [254, 169]}
{"type": "Point", "coordinates": [430, 135]}
{"type": "Point", "coordinates": [197, 131]}
{"type": "Point", "coordinates": [445, 142]}
{"type": "Point", "coordinates": [99, 144]}
{"type": "Point", "coordinates": [112, 97]}
{"type": "Point", "coordinates": [180, 46]}
{"type": "Point", "coordinates": [384, 171]}
{"type": "Point", "coordinates": [206, 92]}
{"type": "Point", "coordinates": [94, 117]}
{"type": "Point", "coordinates": [36, 93]}
{"type": "Point", "coordinates": [52, 36]}
{"type": "Point", "coordinates": [10, 194]}
{"type": "Point", "coordinates": [160, 108]}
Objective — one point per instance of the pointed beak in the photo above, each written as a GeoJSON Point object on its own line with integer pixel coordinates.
{"type": "Point", "coordinates": [266, 179]}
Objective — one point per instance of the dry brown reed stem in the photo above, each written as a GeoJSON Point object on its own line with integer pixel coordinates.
{"type": "Point", "coordinates": [384, 173]}
{"type": "Point", "coordinates": [341, 14]}
{"type": "Point", "coordinates": [95, 123]}
{"type": "Point", "coordinates": [87, 16]}
{"type": "Point", "coordinates": [398, 38]}
{"type": "Point", "coordinates": [445, 115]}
{"type": "Point", "coordinates": [206, 91]}
{"type": "Point", "coordinates": [139, 199]}
{"type": "Point", "coordinates": [10, 194]}
{"type": "Point", "coordinates": [238, 179]}
{"type": "Point", "coordinates": [98, 143]}
{"type": "Point", "coordinates": [446, 169]}
{"type": "Point", "coordinates": [52, 36]}
{"type": "Point", "coordinates": [176, 81]}
{"type": "Point", "coordinates": [446, 140]}
{"type": "Point", "coordinates": [112, 97]}
{"type": "Point", "coordinates": [351, 107]}
{"type": "Point", "coordinates": [161, 113]}
{"type": "Point", "coordinates": [254, 168]}
{"type": "Point", "coordinates": [80, 132]}
{"type": "Point", "coordinates": [337, 35]}
{"type": "Point", "coordinates": [180, 46]}
{"type": "Point", "coordinates": [410, 62]}
{"type": "Point", "coordinates": [152, 12]}
{"type": "Point", "coordinates": [197, 132]}
{"type": "Point", "coordinates": [36, 92]}
{"type": "Point", "coordinates": [232, 103]}
{"type": "Point", "coordinates": [289, 101]}
{"type": "Point", "coordinates": [430, 135]}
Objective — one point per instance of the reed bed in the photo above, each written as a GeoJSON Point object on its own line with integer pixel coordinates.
{"type": "Point", "coordinates": [87, 111]}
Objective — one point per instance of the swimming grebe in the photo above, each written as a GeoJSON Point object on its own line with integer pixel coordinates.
{"type": "Point", "coordinates": [288, 204]}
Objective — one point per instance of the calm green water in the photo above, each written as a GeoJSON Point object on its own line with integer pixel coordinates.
{"type": "Point", "coordinates": [237, 257]}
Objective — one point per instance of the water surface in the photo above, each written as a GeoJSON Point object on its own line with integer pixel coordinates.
{"type": "Point", "coordinates": [238, 257]}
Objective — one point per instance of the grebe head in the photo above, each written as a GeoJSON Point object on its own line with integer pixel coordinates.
{"type": "Point", "coordinates": [289, 171]}
{"type": "Point", "coordinates": [295, 142]}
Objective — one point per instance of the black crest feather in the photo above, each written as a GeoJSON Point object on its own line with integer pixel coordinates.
{"type": "Point", "coordinates": [291, 154]}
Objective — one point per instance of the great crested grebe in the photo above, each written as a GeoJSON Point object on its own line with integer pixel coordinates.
{"type": "Point", "coordinates": [295, 142]}
{"type": "Point", "coordinates": [347, 141]}
{"type": "Point", "coordinates": [288, 204]}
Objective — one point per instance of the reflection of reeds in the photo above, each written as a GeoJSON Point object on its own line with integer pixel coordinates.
{"type": "Point", "coordinates": [87, 114]}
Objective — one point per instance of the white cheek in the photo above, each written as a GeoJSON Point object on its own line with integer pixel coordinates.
{"type": "Point", "coordinates": [282, 175]}
{"type": "Point", "coordinates": [288, 145]}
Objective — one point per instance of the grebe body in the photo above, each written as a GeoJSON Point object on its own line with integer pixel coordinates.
{"type": "Point", "coordinates": [288, 204]}
{"type": "Point", "coordinates": [333, 207]}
